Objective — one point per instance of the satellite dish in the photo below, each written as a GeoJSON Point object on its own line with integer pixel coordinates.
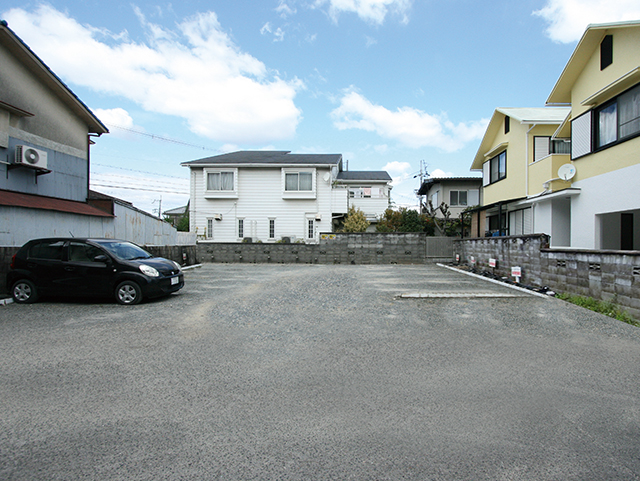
{"type": "Point", "coordinates": [326, 177]}
{"type": "Point", "coordinates": [566, 171]}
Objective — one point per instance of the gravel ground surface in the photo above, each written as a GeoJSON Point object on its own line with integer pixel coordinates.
{"type": "Point", "coordinates": [319, 372]}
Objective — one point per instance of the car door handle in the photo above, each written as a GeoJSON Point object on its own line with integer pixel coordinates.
{"type": "Point", "coordinates": [69, 268]}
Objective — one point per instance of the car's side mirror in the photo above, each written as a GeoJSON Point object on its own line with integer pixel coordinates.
{"type": "Point", "coordinates": [101, 258]}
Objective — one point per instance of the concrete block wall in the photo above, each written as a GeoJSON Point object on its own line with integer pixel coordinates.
{"type": "Point", "coordinates": [339, 248]}
{"type": "Point", "coordinates": [510, 251]}
{"type": "Point", "coordinates": [604, 275]}
{"type": "Point", "coordinates": [183, 255]}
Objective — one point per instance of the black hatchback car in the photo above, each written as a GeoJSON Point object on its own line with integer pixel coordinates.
{"type": "Point", "coordinates": [90, 268]}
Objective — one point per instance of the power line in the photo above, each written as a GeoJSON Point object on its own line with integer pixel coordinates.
{"type": "Point", "coordinates": [135, 170]}
{"type": "Point", "coordinates": [162, 183]}
{"type": "Point", "coordinates": [164, 139]}
{"type": "Point", "coordinates": [95, 184]}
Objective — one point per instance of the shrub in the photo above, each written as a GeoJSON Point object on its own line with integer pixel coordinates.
{"type": "Point", "coordinates": [355, 221]}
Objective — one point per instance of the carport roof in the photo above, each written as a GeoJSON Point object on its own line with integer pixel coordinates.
{"type": "Point", "coordinates": [30, 201]}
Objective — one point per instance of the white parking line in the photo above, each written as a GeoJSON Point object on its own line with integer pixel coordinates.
{"type": "Point", "coordinates": [458, 295]}
{"type": "Point", "coordinates": [517, 288]}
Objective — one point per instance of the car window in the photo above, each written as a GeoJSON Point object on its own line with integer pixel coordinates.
{"type": "Point", "coordinates": [81, 252]}
{"type": "Point", "coordinates": [47, 250]}
{"type": "Point", "coordinates": [125, 250]}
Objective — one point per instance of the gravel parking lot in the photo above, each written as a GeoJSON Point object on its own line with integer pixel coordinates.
{"type": "Point", "coordinates": [319, 372]}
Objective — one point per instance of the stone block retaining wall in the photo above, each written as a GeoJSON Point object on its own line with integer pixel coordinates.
{"type": "Point", "coordinates": [339, 248]}
{"type": "Point", "coordinates": [601, 274]}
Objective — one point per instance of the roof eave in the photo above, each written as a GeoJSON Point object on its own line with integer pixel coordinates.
{"type": "Point", "coordinates": [22, 51]}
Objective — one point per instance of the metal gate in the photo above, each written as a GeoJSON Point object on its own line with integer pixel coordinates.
{"type": "Point", "coordinates": [439, 249]}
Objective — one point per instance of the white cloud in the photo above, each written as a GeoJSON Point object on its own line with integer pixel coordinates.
{"type": "Point", "coordinates": [439, 174]}
{"type": "Point", "coordinates": [278, 35]}
{"type": "Point", "coordinates": [285, 10]}
{"type": "Point", "coordinates": [399, 172]}
{"type": "Point", "coordinates": [568, 19]}
{"type": "Point", "coordinates": [195, 72]}
{"type": "Point", "coordinates": [118, 117]}
{"type": "Point", "coordinates": [371, 11]}
{"type": "Point", "coordinates": [411, 127]}
{"type": "Point", "coordinates": [381, 149]}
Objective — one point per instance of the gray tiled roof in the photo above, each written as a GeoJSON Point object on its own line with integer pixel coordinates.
{"type": "Point", "coordinates": [424, 188]}
{"type": "Point", "coordinates": [267, 157]}
{"type": "Point", "coordinates": [364, 175]}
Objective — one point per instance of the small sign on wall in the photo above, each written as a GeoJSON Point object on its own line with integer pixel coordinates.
{"type": "Point", "coordinates": [492, 263]}
{"type": "Point", "coordinates": [472, 260]}
{"type": "Point", "coordinates": [516, 272]}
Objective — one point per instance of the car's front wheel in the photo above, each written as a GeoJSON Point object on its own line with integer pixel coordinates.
{"type": "Point", "coordinates": [24, 292]}
{"type": "Point", "coordinates": [128, 293]}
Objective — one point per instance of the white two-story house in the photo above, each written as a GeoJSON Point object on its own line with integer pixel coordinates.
{"type": "Point", "coordinates": [270, 196]}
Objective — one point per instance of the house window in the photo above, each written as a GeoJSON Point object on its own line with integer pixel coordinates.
{"type": "Point", "coordinates": [560, 146]}
{"type": "Point", "coordinates": [458, 198]}
{"type": "Point", "coordinates": [240, 228]}
{"type": "Point", "coordinates": [606, 52]}
{"type": "Point", "coordinates": [298, 181]}
{"type": "Point", "coordinates": [272, 228]}
{"type": "Point", "coordinates": [495, 169]}
{"type": "Point", "coordinates": [507, 124]}
{"type": "Point", "coordinates": [310, 228]}
{"type": "Point", "coordinates": [619, 119]}
{"type": "Point", "coordinates": [220, 181]}
{"type": "Point", "coordinates": [544, 146]}
{"type": "Point", "coordinates": [209, 233]}
{"type": "Point", "coordinates": [607, 122]}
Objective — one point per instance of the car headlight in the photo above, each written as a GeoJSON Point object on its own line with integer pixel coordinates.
{"type": "Point", "coordinates": [149, 271]}
{"type": "Point", "coordinates": [177, 265]}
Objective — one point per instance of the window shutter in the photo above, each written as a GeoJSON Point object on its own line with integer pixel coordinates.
{"type": "Point", "coordinates": [474, 197]}
{"type": "Point", "coordinates": [486, 173]}
{"type": "Point", "coordinates": [540, 148]}
{"type": "Point", "coordinates": [527, 227]}
{"type": "Point", "coordinates": [581, 136]}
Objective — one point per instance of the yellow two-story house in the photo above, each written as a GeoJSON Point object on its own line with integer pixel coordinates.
{"type": "Point", "coordinates": [601, 83]}
{"type": "Point", "coordinates": [572, 169]}
{"type": "Point", "coordinates": [518, 159]}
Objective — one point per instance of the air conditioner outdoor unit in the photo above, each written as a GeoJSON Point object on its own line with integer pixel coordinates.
{"type": "Point", "coordinates": [30, 157]}
{"type": "Point", "coordinates": [217, 216]}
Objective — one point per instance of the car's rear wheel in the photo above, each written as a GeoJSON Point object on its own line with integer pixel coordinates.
{"type": "Point", "coordinates": [24, 292]}
{"type": "Point", "coordinates": [128, 293]}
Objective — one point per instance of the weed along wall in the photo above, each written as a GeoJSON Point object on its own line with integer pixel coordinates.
{"type": "Point", "coordinates": [339, 248]}
{"type": "Point", "coordinates": [603, 275]}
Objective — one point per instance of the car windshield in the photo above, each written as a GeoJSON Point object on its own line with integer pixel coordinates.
{"type": "Point", "coordinates": [125, 250]}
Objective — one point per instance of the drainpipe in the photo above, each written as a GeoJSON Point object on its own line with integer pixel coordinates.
{"type": "Point", "coordinates": [526, 173]}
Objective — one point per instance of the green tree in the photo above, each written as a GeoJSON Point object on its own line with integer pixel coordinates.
{"type": "Point", "coordinates": [405, 220]}
{"type": "Point", "coordinates": [355, 221]}
{"type": "Point", "coordinates": [390, 221]}
{"type": "Point", "coordinates": [183, 224]}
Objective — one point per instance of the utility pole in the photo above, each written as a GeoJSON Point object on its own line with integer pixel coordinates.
{"type": "Point", "coordinates": [423, 175]}
{"type": "Point", "coordinates": [159, 201]}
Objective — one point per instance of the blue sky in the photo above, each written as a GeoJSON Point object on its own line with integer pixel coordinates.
{"type": "Point", "coordinates": [386, 83]}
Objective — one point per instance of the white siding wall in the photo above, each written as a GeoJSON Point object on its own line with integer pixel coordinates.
{"type": "Point", "coordinates": [259, 200]}
{"type": "Point", "coordinates": [374, 205]}
{"type": "Point", "coordinates": [615, 191]}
